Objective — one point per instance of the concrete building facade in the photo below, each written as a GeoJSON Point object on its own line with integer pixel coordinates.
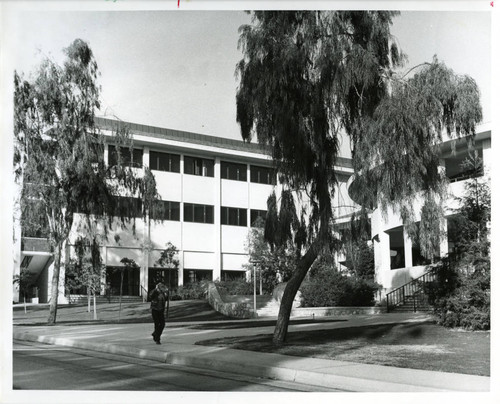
{"type": "Point", "coordinates": [212, 190]}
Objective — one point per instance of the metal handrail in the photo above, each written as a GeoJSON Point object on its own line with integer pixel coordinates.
{"type": "Point", "coordinates": [412, 288]}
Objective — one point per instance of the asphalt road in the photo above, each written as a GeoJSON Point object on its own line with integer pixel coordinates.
{"type": "Point", "coordinates": [47, 367]}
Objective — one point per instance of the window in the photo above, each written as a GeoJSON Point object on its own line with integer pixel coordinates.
{"type": "Point", "coordinates": [459, 168]}
{"type": "Point", "coordinates": [197, 275]}
{"type": "Point", "coordinates": [262, 175]}
{"type": "Point", "coordinates": [164, 162]}
{"type": "Point", "coordinates": [198, 213]}
{"type": "Point", "coordinates": [233, 216]}
{"type": "Point", "coordinates": [198, 166]}
{"type": "Point", "coordinates": [255, 214]}
{"type": "Point", "coordinates": [166, 210]}
{"type": "Point", "coordinates": [233, 171]}
{"type": "Point", "coordinates": [127, 207]}
{"type": "Point", "coordinates": [397, 248]}
{"type": "Point", "coordinates": [132, 158]}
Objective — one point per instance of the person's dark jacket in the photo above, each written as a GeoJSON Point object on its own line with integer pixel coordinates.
{"type": "Point", "coordinates": [158, 300]}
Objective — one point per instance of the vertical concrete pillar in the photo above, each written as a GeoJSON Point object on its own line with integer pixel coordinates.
{"type": "Point", "coordinates": [217, 270]}
{"type": "Point", "coordinates": [181, 213]}
{"type": "Point", "coordinates": [408, 249]}
{"type": "Point", "coordinates": [146, 238]}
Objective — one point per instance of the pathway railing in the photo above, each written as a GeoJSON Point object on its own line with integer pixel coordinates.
{"type": "Point", "coordinates": [413, 289]}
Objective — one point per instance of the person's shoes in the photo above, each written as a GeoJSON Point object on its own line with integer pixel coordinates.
{"type": "Point", "coordinates": [158, 342]}
{"type": "Point", "coordinates": [154, 336]}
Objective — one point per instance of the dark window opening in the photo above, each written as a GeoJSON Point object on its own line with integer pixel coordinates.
{"type": "Point", "coordinates": [197, 275]}
{"type": "Point", "coordinates": [232, 275]}
{"type": "Point", "coordinates": [166, 210]}
{"type": "Point", "coordinates": [198, 166]}
{"type": "Point", "coordinates": [458, 170]}
{"type": "Point", "coordinates": [131, 158]}
{"type": "Point", "coordinates": [130, 285]}
{"type": "Point", "coordinates": [164, 162]}
{"type": "Point", "coordinates": [127, 207]}
{"type": "Point", "coordinates": [262, 175]}
{"type": "Point", "coordinates": [255, 214]}
{"type": "Point", "coordinates": [233, 171]}
{"type": "Point", "coordinates": [198, 213]}
{"type": "Point", "coordinates": [233, 216]}
{"type": "Point", "coordinates": [397, 248]}
{"type": "Point", "coordinates": [169, 277]}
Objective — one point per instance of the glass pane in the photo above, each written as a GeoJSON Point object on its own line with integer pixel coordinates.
{"type": "Point", "coordinates": [199, 213]}
{"type": "Point", "coordinates": [209, 214]}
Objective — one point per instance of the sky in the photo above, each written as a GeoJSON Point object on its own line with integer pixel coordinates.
{"type": "Point", "coordinates": [176, 69]}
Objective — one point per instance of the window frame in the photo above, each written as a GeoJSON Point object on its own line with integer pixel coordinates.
{"type": "Point", "coordinates": [240, 173]}
{"type": "Point", "coordinates": [231, 216]}
{"type": "Point", "coordinates": [173, 161]}
{"type": "Point", "coordinates": [190, 211]}
{"type": "Point", "coordinates": [199, 166]}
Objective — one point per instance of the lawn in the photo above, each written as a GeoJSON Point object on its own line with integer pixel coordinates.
{"type": "Point", "coordinates": [407, 345]}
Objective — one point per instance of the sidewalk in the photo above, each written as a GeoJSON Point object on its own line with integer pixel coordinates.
{"type": "Point", "coordinates": [178, 348]}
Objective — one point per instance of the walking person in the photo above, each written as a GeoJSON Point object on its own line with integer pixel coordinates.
{"type": "Point", "coordinates": [159, 298]}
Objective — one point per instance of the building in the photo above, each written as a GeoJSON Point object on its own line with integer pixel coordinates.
{"type": "Point", "coordinates": [212, 190]}
{"type": "Point", "coordinates": [397, 259]}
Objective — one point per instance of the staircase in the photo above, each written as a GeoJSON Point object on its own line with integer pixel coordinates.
{"type": "Point", "coordinates": [411, 296]}
{"type": "Point", "coordinates": [268, 307]}
{"type": "Point", "coordinates": [83, 299]}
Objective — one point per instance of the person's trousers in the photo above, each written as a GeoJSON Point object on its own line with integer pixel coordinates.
{"type": "Point", "coordinates": [159, 320]}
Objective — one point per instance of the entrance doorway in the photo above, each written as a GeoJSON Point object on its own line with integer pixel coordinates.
{"type": "Point", "coordinates": [169, 277]}
{"type": "Point", "coordinates": [131, 281]}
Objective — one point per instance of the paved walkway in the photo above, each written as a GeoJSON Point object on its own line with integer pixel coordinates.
{"type": "Point", "coordinates": [178, 347]}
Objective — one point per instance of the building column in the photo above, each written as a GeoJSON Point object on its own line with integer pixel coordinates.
{"type": "Point", "coordinates": [217, 270]}
{"type": "Point", "coordinates": [146, 237]}
{"type": "Point", "coordinates": [382, 258]}
{"type": "Point", "coordinates": [408, 244]}
{"type": "Point", "coordinates": [180, 274]}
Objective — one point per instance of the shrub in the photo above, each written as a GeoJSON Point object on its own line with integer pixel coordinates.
{"type": "Point", "coordinates": [190, 291]}
{"type": "Point", "coordinates": [461, 299]}
{"type": "Point", "coordinates": [328, 289]}
{"type": "Point", "coordinates": [234, 287]}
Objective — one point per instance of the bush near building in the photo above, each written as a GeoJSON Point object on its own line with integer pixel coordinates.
{"type": "Point", "coordinates": [190, 291]}
{"type": "Point", "coordinates": [461, 299]}
{"type": "Point", "coordinates": [328, 288]}
{"type": "Point", "coordinates": [461, 292]}
{"type": "Point", "coordinates": [234, 287]}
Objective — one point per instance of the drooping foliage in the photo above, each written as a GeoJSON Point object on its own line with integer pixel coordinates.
{"type": "Point", "coordinates": [397, 155]}
{"type": "Point", "coordinates": [304, 78]}
{"type": "Point", "coordinates": [308, 77]}
{"type": "Point", "coordinates": [59, 154]}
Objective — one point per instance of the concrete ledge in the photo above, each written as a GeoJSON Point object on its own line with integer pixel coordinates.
{"type": "Point", "coordinates": [334, 311]}
{"type": "Point", "coordinates": [236, 310]}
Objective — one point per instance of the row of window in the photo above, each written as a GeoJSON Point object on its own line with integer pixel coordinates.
{"type": "Point", "coordinates": [193, 212]}
{"type": "Point", "coordinates": [160, 161]}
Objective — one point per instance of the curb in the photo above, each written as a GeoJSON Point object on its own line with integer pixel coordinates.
{"type": "Point", "coordinates": [211, 359]}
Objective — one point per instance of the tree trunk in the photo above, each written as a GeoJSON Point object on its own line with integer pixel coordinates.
{"type": "Point", "coordinates": [55, 286]}
{"type": "Point", "coordinates": [121, 289]}
{"type": "Point", "coordinates": [88, 299]}
{"type": "Point", "coordinates": [290, 291]}
{"type": "Point", "coordinates": [95, 308]}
